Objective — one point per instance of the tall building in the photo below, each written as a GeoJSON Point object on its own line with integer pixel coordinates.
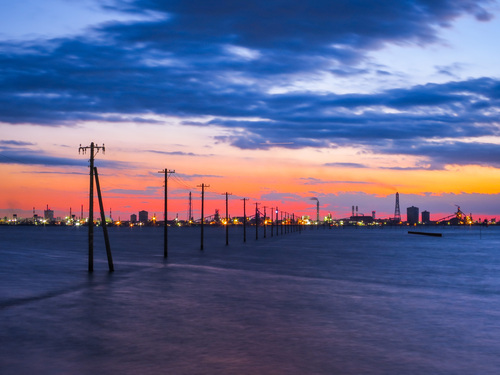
{"type": "Point", "coordinates": [412, 215]}
{"type": "Point", "coordinates": [133, 218]}
{"type": "Point", "coordinates": [143, 216]}
{"type": "Point", "coordinates": [426, 217]}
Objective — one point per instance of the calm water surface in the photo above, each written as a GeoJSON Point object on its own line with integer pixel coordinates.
{"type": "Point", "coordinates": [341, 301]}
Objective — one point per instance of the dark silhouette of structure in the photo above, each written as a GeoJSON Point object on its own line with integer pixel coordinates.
{"type": "Point", "coordinates": [412, 215]}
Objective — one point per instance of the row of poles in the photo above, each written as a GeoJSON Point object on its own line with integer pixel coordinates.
{"type": "Point", "coordinates": [203, 186]}
{"type": "Point", "coordinates": [94, 149]}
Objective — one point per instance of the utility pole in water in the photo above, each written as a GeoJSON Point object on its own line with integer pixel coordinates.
{"type": "Point", "coordinates": [265, 221]}
{"type": "Point", "coordinates": [94, 149]}
{"type": "Point", "coordinates": [277, 227]}
{"type": "Point", "coordinates": [165, 215]}
{"type": "Point", "coordinates": [190, 215]}
{"type": "Point", "coordinates": [103, 222]}
{"type": "Point", "coordinates": [272, 221]}
{"type": "Point", "coordinates": [244, 219]}
{"type": "Point", "coordinates": [256, 221]}
{"type": "Point", "coordinates": [203, 186]}
{"type": "Point", "coordinates": [227, 218]}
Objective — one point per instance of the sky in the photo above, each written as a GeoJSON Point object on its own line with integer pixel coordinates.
{"type": "Point", "coordinates": [277, 101]}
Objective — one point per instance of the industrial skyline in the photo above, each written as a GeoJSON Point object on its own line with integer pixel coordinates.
{"type": "Point", "coordinates": [413, 216]}
{"type": "Point", "coordinates": [346, 102]}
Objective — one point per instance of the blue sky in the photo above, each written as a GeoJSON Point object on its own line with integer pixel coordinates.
{"type": "Point", "coordinates": [368, 87]}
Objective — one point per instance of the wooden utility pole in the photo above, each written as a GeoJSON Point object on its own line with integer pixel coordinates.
{"type": "Point", "coordinates": [94, 149]}
{"type": "Point", "coordinates": [277, 218]}
{"type": "Point", "coordinates": [203, 186]}
{"type": "Point", "coordinates": [166, 172]}
{"type": "Point", "coordinates": [103, 223]}
{"type": "Point", "coordinates": [244, 220]}
{"type": "Point", "coordinates": [227, 217]}
{"type": "Point", "coordinates": [190, 215]}
{"type": "Point", "coordinates": [256, 221]}
{"type": "Point", "coordinates": [272, 221]}
{"type": "Point", "coordinates": [265, 221]}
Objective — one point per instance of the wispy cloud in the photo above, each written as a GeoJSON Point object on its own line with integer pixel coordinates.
{"type": "Point", "coordinates": [177, 153]}
{"type": "Point", "coordinates": [148, 192]}
{"type": "Point", "coordinates": [345, 165]}
{"type": "Point", "coordinates": [317, 181]}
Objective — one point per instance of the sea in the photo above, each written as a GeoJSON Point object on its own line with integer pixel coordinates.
{"type": "Point", "coordinates": [320, 301]}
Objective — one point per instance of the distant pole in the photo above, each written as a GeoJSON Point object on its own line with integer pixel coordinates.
{"type": "Point", "coordinates": [317, 213]}
{"type": "Point", "coordinates": [256, 221]}
{"type": "Point", "coordinates": [166, 172]}
{"type": "Point", "coordinates": [203, 186]}
{"type": "Point", "coordinates": [277, 227]}
{"type": "Point", "coordinates": [94, 149]}
{"type": "Point", "coordinates": [190, 215]}
{"type": "Point", "coordinates": [281, 222]}
{"type": "Point", "coordinates": [272, 221]}
{"type": "Point", "coordinates": [244, 219]}
{"type": "Point", "coordinates": [103, 223]}
{"type": "Point", "coordinates": [227, 218]}
{"type": "Point", "coordinates": [265, 222]}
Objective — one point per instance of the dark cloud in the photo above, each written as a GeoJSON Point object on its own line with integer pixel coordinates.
{"type": "Point", "coordinates": [459, 153]}
{"type": "Point", "coordinates": [15, 143]}
{"type": "Point", "coordinates": [298, 26]}
{"type": "Point", "coordinates": [25, 156]}
{"type": "Point", "coordinates": [219, 59]}
{"type": "Point", "coordinates": [29, 157]}
{"type": "Point", "coordinates": [56, 172]}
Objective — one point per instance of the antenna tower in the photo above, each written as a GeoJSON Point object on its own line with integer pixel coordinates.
{"type": "Point", "coordinates": [397, 211]}
{"type": "Point", "coordinates": [190, 215]}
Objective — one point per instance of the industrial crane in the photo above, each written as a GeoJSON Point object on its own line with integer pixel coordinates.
{"type": "Point", "coordinates": [459, 216]}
